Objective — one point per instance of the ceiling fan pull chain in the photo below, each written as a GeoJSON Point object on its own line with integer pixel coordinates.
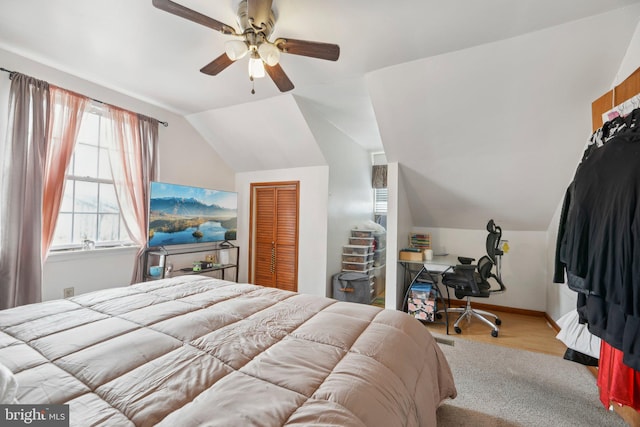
{"type": "Point", "coordinates": [253, 85]}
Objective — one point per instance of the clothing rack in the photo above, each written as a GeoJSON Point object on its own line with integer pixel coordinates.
{"type": "Point", "coordinates": [621, 100]}
{"type": "Point", "coordinates": [620, 94]}
{"type": "Point", "coordinates": [163, 123]}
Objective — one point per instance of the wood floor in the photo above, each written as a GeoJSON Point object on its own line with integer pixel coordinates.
{"type": "Point", "coordinates": [522, 331]}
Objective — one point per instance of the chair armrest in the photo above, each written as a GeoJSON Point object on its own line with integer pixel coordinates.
{"type": "Point", "coordinates": [465, 260]}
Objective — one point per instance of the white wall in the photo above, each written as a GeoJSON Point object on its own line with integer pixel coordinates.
{"type": "Point", "coordinates": [631, 60]}
{"type": "Point", "coordinates": [312, 254]}
{"type": "Point", "coordinates": [524, 267]}
{"type": "Point", "coordinates": [185, 158]}
{"type": "Point", "coordinates": [560, 299]}
{"type": "Point", "coordinates": [399, 223]}
{"type": "Point", "coordinates": [87, 271]}
{"type": "Point", "coordinates": [350, 200]}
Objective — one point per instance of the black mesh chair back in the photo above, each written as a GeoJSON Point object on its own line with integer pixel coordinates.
{"type": "Point", "coordinates": [493, 240]}
{"type": "Point", "coordinates": [485, 266]}
{"type": "Point", "coordinates": [484, 269]}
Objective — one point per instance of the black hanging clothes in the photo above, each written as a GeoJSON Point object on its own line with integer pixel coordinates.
{"type": "Point", "coordinates": [599, 238]}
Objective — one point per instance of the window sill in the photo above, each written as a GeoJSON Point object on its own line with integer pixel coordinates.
{"type": "Point", "coordinates": [76, 254]}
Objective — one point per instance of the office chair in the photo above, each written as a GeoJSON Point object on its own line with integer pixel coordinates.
{"type": "Point", "coordinates": [472, 280]}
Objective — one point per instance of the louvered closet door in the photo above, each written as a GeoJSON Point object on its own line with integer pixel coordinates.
{"type": "Point", "coordinates": [264, 228]}
{"type": "Point", "coordinates": [286, 239]}
{"type": "Point", "coordinates": [275, 235]}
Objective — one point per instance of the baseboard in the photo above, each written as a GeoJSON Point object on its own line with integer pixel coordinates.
{"type": "Point", "coordinates": [504, 309]}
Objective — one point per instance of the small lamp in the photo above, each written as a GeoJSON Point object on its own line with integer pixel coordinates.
{"type": "Point", "coordinates": [256, 67]}
{"type": "Point", "coordinates": [269, 53]}
{"type": "Point", "coordinates": [236, 49]}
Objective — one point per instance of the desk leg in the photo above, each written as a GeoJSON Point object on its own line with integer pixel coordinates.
{"type": "Point", "coordinates": [446, 313]}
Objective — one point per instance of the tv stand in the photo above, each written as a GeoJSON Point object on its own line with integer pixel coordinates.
{"type": "Point", "coordinates": [217, 260]}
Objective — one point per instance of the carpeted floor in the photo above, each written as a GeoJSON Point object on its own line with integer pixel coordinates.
{"type": "Point", "coordinates": [499, 386]}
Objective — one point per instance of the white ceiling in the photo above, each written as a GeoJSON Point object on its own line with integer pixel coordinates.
{"type": "Point", "coordinates": [483, 103]}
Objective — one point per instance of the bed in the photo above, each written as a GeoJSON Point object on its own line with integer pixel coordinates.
{"type": "Point", "coordinates": [193, 350]}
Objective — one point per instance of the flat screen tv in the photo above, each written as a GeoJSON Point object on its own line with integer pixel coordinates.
{"type": "Point", "coordinates": [180, 215]}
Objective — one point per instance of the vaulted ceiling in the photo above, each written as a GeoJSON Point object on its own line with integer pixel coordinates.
{"type": "Point", "coordinates": [485, 105]}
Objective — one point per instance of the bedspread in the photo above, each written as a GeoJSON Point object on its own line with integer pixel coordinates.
{"type": "Point", "coordinates": [194, 350]}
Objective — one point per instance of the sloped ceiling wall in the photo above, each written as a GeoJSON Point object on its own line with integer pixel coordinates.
{"type": "Point", "coordinates": [495, 131]}
{"type": "Point", "coordinates": [267, 134]}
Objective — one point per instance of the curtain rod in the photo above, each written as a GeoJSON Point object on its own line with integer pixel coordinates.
{"type": "Point", "coordinates": [165, 124]}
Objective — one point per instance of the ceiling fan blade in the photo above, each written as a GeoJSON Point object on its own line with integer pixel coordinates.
{"type": "Point", "coordinates": [186, 13]}
{"type": "Point", "coordinates": [319, 50]}
{"type": "Point", "coordinates": [217, 65]}
{"type": "Point", "coordinates": [259, 12]}
{"type": "Point", "coordinates": [279, 77]}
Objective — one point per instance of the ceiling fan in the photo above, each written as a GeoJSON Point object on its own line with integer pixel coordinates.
{"type": "Point", "coordinates": [256, 20]}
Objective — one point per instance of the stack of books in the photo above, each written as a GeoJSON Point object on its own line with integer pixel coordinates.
{"type": "Point", "coordinates": [420, 240]}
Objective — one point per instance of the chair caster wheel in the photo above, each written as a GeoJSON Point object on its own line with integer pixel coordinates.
{"type": "Point", "coordinates": [498, 322]}
{"type": "Point", "coordinates": [458, 330]}
{"type": "Point", "coordinates": [494, 333]}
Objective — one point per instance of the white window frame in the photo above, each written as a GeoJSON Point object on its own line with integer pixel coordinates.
{"type": "Point", "coordinates": [72, 179]}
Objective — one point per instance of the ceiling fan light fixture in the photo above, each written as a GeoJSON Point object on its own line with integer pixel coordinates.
{"type": "Point", "coordinates": [256, 21]}
{"type": "Point", "coordinates": [256, 68]}
{"type": "Point", "coordinates": [236, 49]}
{"type": "Point", "coordinates": [269, 53]}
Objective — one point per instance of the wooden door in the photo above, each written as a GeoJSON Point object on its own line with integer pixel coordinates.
{"type": "Point", "coordinates": [273, 252]}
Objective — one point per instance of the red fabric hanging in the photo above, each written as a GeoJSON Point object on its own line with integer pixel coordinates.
{"type": "Point", "coordinates": [617, 382]}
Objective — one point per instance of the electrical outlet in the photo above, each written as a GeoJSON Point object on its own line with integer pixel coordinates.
{"type": "Point", "coordinates": [68, 292]}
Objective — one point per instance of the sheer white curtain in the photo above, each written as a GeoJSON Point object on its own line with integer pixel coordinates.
{"type": "Point", "coordinates": [133, 160]}
{"type": "Point", "coordinates": [67, 109]}
{"type": "Point", "coordinates": [21, 189]}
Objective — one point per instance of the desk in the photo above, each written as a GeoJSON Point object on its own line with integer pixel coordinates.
{"type": "Point", "coordinates": [441, 263]}
{"type": "Point", "coordinates": [432, 269]}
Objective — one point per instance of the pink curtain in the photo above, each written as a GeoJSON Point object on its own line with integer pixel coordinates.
{"type": "Point", "coordinates": [21, 190]}
{"type": "Point", "coordinates": [133, 159]}
{"type": "Point", "coordinates": [67, 109]}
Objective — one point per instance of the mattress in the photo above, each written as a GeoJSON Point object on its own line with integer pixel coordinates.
{"type": "Point", "coordinates": [194, 350]}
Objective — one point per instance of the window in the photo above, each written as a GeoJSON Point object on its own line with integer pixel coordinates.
{"type": "Point", "coordinates": [379, 184]}
{"type": "Point", "coordinates": [89, 208]}
{"type": "Point", "coordinates": [380, 201]}
{"type": "Point", "coordinates": [380, 206]}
